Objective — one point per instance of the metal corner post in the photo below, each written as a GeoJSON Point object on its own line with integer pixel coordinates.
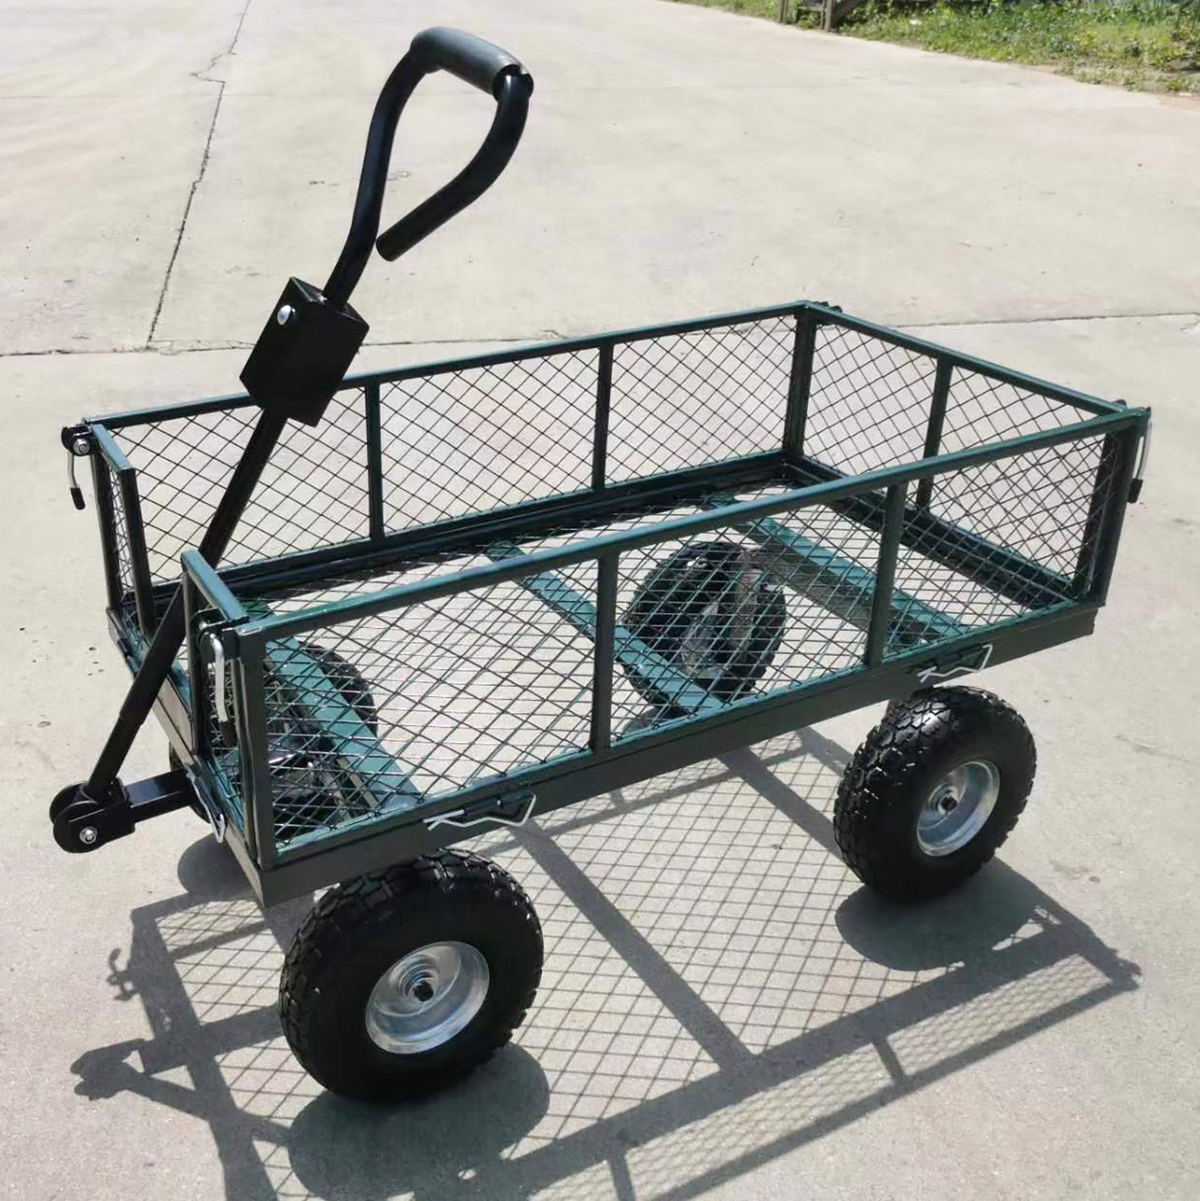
{"type": "Point", "coordinates": [608, 567]}
{"type": "Point", "coordinates": [102, 484]}
{"type": "Point", "coordinates": [933, 432]}
{"type": "Point", "coordinates": [885, 577]}
{"type": "Point", "coordinates": [255, 754]}
{"type": "Point", "coordinates": [1106, 514]}
{"type": "Point", "coordinates": [604, 375]}
{"type": "Point", "coordinates": [799, 382]}
{"type": "Point", "coordinates": [139, 562]}
{"type": "Point", "coordinates": [375, 520]}
{"type": "Point", "coordinates": [200, 711]}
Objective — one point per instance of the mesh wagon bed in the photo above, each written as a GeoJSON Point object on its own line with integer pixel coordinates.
{"type": "Point", "coordinates": [377, 614]}
{"type": "Point", "coordinates": [455, 604]}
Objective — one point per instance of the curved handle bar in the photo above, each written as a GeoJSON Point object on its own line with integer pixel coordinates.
{"type": "Point", "coordinates": [474, 61]}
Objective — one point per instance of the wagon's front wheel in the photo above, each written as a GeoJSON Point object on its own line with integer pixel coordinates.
{"type": "Point", "coordinates": [933, 791]}
{"type": "Point", "coordinates": [403, 980]}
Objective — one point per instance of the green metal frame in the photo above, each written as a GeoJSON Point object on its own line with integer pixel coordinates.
{"type": "Point", "coordinates": [905, 636]}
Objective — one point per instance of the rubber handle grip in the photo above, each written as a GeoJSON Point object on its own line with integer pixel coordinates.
{"type": "Point", "coordinates": [473, 60]}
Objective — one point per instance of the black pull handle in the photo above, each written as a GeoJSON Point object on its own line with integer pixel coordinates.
{"type": "Point", "coordinates": [475, 61]}
{"type": "Point", "coordinates": [473, 180]}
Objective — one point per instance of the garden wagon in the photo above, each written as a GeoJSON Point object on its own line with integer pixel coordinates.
{"type": "Point", "coordinates": [379, 614]}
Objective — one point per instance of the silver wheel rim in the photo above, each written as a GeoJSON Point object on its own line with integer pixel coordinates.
{"type": "Point", "coordinates": [696, 649]}
{"type": "Point", "coordinates": [958, 807]}
{"type": "Point", "coordinates": [426, 998]}
{"type": "Point", "coordinates": [717, 622]}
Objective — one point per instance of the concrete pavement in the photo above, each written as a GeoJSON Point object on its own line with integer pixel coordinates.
{"type": "Point", "coordinates": [165, 167]}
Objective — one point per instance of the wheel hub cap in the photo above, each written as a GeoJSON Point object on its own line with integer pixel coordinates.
{"type": "Point", "coordinates": [426, 998]}
{"type": "Point", "coordinates": [697, 652]}
{"type": "Point", "coordinates": [958, 807]}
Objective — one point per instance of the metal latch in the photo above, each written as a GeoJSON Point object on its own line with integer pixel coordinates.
{"type": "Point", "coordinates": [976, 659]}
{"type": "Point", "coordinates": [514, 809]}
{"type": "Point", "coordinates": [220, 689]}
{"type": "Point", "coordinates": [78, 445]}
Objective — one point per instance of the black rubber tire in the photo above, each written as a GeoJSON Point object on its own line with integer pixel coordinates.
{"type": "Point", "coordinates": [358, 930]}
{"type": "Point", "coordinates": [676, 595]}
{"type": "Point", "coordinates": [887, 782]}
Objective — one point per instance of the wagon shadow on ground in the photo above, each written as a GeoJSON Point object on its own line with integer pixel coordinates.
{"type": "Point", "coordinates": [718, 991]}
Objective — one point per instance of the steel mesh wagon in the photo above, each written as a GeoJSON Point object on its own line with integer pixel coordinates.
{"type": "Point", "coordinates": [377, 614]}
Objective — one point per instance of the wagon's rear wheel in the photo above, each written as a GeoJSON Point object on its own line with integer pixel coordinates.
{"type": "Point", "coordinates": [933, 791]}
{"type": "Point", "coordinates": [403, 980]}
{"type": "Point", "coordinates": [715, 613]}
{"type": "Point", "coordinates": [349, 681]}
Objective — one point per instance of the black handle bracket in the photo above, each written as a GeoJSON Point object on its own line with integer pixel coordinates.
{"type": "Point", "coordinates": [303, 353]}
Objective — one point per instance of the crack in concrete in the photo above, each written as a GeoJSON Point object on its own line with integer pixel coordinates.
{"type": "Point", "coordinates": [201, 74]}
{"type": "Point", "coordinates": [1038, 320]}
{"type": "Point", "coordinates": [167, 348]}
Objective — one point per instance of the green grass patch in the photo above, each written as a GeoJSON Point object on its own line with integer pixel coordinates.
{"type": "Point", "coordinates": [1144, 44]}
{"type": "Point", "coordinates": [1137, 43]}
